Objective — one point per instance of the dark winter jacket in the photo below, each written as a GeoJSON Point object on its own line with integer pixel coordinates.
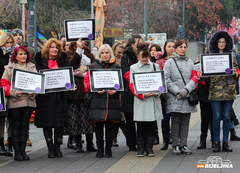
{"type": "Point", "coordinates": [4, 60]}
{"type": "Point", "coordinates": [129, 58]}
{"type": "Point", "coordinates": [31, 51]}
{"type": "Point", "coordinates": [222, 87]}
{"type": "Point", "coordinates": [203, 89]}
{"type": "Point", "coordinates": [103, 107]}
{"type": "Point", "coordinates": [51, 107]}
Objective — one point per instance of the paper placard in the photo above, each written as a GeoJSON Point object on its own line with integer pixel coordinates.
{"type": "Point", "coordinates": [60, 79]}
{"type": "Point", "coordinates": [197, 66]}
{"type": "Point", "coordinates": [82, 28]}
{"type": "Point", "coordinates": [149, 82]}
{"type": "Point", "coordinates": [27, 81]}
{"type": "Point", "coordinates": [216, 64]}
{"type": "Point", "coordinates": [2, 100]}
{"type": "Point", "coordinates": [107, 79]}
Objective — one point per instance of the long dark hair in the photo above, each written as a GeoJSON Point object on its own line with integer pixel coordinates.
{"type": "Point", "coordinates": [165, 45]}
{"type": "Point", "coordinates": [158, 48]}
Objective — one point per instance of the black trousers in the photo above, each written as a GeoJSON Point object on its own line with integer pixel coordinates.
{"type": "Point", "coordinates": [145, 128]}
{"type": "Point", "coordinates": [206, 119]}
{"type": "Point", "coordinates": [130, 129]}
{"type": "Point", "coordinates": [20, 118]}
{"type": "Point", "coordinates": [109, 127]}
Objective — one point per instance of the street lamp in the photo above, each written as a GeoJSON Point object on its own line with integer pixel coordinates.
{"type": "Point", "coordinates": [23, 2]}
{"type": "Point", "coordinates": [183, 20]}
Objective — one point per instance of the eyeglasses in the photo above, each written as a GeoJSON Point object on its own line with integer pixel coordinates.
{"type": "Point", "coordinates": [221, 42]}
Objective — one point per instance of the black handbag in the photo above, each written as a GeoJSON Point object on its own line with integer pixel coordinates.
{"type": "Point", "coordinates": [193, 96]}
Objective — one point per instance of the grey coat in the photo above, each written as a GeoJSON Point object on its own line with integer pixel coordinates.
{"type": "Point", "coordinates": [175, 83]}
{"type": "Point", "coordinates": [150, 108]}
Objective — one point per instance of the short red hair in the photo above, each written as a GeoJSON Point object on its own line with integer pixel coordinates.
{"type": "Point", "coordinates": [15, 52]}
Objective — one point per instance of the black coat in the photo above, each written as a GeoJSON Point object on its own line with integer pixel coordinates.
{"type": "Point", "coordinates": [104, 107]}
{"type": "Point", "coordinates": [129, 58]}
{"type": "Point", "coordinates": [203, 90]}
{"type": "Point", "coordinates": [4, 60]}
{"type": "Point", "coordinates": [51, 108]}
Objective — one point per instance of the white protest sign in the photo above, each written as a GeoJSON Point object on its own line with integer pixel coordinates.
{"type": "Point", "coordinates": [197, 66]}
{"type": "Point", "coordinates": [27, 81]}
{"type": "Point", "coordinates": [215, 64]}
{"type": "Point", "coordinates": [148, 82]}
{"type": "Point", "coordinates": [79, 29]}
{"type": "Point", "coordinates": [105, 79]}
{"type": "Point", "coordinates": [57, 78]}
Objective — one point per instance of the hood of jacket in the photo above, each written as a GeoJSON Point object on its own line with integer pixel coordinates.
{"type": "Point", "coordinates": [213, 44]}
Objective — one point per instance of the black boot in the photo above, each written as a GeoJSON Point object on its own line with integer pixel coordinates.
{"type": "Point", "coordinates": [17, 152]}
{"type": "Point", "coordinates": [225, 147]}
{"type": "Point", "coordinates": [216, 146]}
{"type": "Point", "coordinates": [79, 146]}
{"type": "Point", "coordinates": [9, 151]}
{"type": "Point", "coordinates": [234, 136]}
{"type": "Point", "coordinates": [149, 146]}
{"type": "Point", "coordinates": [141, 146]}
{"type": "Point", "coordinates": [90, 145]}
{"type": "Point", "coordinates": [23, 152]}
{"type": "Point", "coordinates": [202, 143]}
{"type": "Point", "coordinates": [57, 144]}
{"type": "Point", "coordinates": [70, 142]}
{"type": "Point", "coordinates": [2, 148]}
{"type": "Point", "coordinates": [108, 149]}
{"type": "Point", "coordinates": [51, 152]}
{"type": "Point", "coordinates": [165, 133]}
{"type": "Point", "coordinates": [170, 139]}
{"type": "Point", "coordinates": [156, 139]}
{"type": "Point", "coordinates": [100, 149]}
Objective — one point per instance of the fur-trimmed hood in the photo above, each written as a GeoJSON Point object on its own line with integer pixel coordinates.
{"type": "Point", "coordinates": [213, 44]}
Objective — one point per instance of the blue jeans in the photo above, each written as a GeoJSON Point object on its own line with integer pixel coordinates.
{"type": "Point", "coordinates": [221, 110]}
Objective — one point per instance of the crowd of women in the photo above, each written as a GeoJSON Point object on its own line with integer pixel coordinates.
{"type": "Point", "coordinates": [68, 113]}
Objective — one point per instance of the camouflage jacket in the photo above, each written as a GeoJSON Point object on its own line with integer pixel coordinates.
{"type": "Point", "coordinates": [223, 87]}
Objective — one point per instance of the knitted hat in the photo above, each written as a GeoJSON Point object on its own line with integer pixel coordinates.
{"type": "Point", "coordinates": [17, 31]}
{"type": "Point", "coordinates": [159, 55]}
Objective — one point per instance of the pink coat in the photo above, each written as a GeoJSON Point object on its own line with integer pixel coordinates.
{"type": "Point", "coordinates": [160, 60]}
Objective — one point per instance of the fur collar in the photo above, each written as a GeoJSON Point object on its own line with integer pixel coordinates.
{"type": "Point", "coordinates": [213, 44]}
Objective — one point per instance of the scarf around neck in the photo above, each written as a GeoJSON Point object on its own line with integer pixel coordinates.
{"type": "Point", "coordinates": [8, 50]}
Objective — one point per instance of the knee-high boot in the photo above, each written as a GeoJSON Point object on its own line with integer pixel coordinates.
{"type": "Point", "coordinates": [17, 151]}
{"type": "Point", "coordinates": [23, 152]}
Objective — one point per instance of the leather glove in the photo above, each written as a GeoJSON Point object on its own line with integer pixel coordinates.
{"type": "Point", "coordinates": [183, 93]}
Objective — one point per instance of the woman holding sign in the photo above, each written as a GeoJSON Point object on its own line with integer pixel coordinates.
{"type": "Point", "coordinates": [181, 80]}
{"type": "Point", "coordinates": [51, 109]}
{"type": "Point", "coordinates": [147, 107]}
{"type": "Point", "coordinates": [20, 105]}
{"type": "Point", "coordinates": [105, 105]}
{"type": "Point", "coordinates": [222, 91]}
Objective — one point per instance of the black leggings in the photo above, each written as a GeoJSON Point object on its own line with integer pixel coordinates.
{"type": "Point", "coordinates": [58, 132]}
{"type": "Point", "coordinates": [146, 129]}
{"type": "Point", "coordinates": [20, 118]}
{"type": "Point", "coordinates": [109, 127]}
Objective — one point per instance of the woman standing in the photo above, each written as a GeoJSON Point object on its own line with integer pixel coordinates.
{"type": "Point", "coordinates": [105, 105]}
{"type": "Point", "coordinates": [7, 45]}
{"type": "Point", "coordinates": [177, 101]}
{"type": "Point", "coordinates": [222, 91]}
{"type": "Point", "coordinates": [20, 105]}
{"type": "Point", "coordinates": [147, 107]}
{"type": "Point", "coordinates": [161, 58]}
{"type": "Point", "coordinates": [78, 115]}
{"type": "Point", "coordinates": [51, 109]}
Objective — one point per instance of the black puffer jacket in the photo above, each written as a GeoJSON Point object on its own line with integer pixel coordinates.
{"type": "Point", "coordinates": [51, 107]}
{"type": "Point", "coordinates": [4, 60]}
{"type": "Point", "coordinates": [129, 58]}
{"type": "Point", "coordinates": [104, 107]}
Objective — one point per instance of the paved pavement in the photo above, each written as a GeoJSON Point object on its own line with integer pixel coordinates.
{"type": "Point", "coordinates": [122, 160]}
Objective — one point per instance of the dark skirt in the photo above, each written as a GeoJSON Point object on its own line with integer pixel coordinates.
{"type": "Point", "coordinates": [78, 119]}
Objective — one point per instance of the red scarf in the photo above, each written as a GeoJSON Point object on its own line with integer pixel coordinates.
{"type": "Point", "coordinates": [52, 64]}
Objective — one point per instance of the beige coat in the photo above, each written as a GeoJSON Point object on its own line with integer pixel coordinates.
{"type": "Point", "coordinates": [24, 100]}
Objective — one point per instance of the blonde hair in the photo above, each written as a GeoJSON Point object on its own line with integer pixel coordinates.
{"type": "Point", "coordinates": [104, 46]}
{"type": "Point", "coordinates": [4, 37]}
{"type": "Point", "coordinates": [47, 45]}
